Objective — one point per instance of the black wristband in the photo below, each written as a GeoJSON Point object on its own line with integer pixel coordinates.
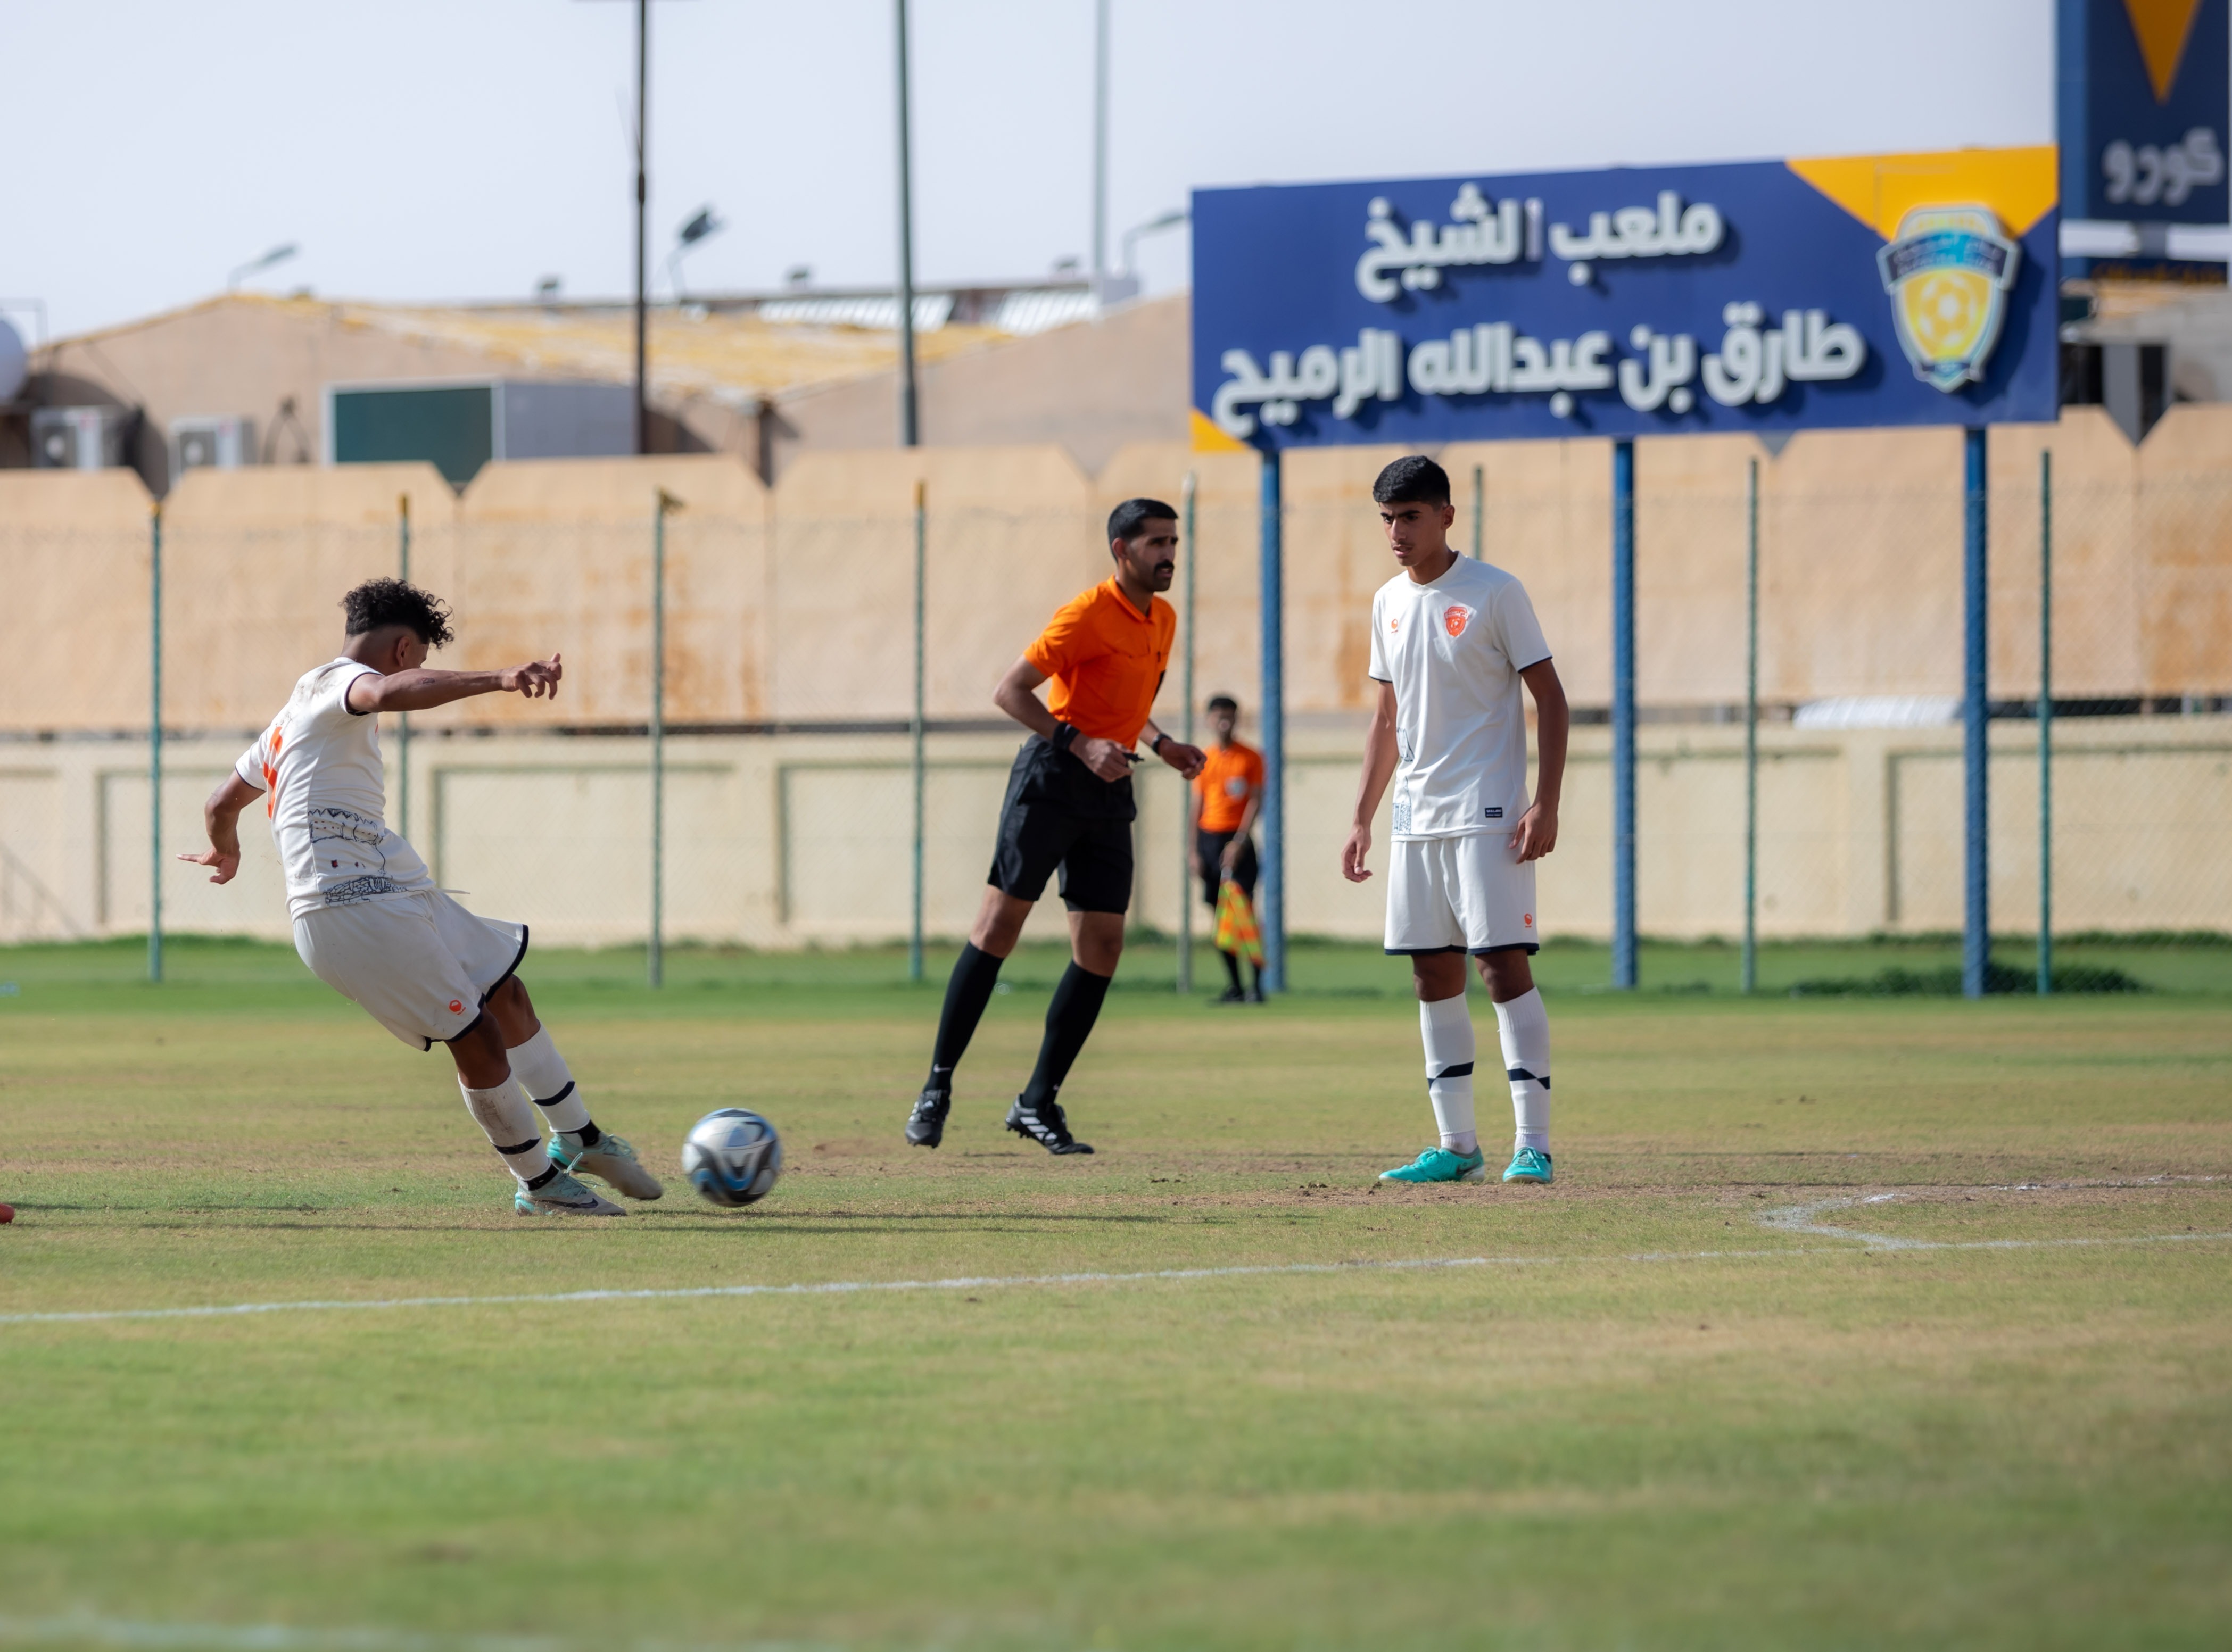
{"type": "Point", "coordinates": [1158, 746]}
{"type": "Point", "coordinates": [1063, 733]}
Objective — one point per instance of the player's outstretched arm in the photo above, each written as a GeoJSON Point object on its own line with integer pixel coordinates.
{"type": "Point", "coordinates": [1378, 769]}
{"type": "Point", "coordinates": [1538, 828]}
{"type": "Point", "coordinates": [421, 690]}
{"type": "Point", "coordinates": [221, 818]}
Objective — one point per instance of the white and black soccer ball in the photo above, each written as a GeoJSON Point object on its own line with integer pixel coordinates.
{"type": "Point", "coordinates": [732, 1157]}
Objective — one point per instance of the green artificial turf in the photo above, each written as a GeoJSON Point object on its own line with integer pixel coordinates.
{"type": "Point", "coordinates": [1667, 1402]}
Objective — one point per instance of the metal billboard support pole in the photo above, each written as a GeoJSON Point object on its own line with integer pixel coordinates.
{"type": "Point", "coordinates": [403, 719]}
{"type": "Point", "coordinates": [1975, 752]}
{"type": "Point", "coordinates": [909, 430]}
{"type": "Point", "coordinates": [1185, 733]}
{"type": "Point", "coordinates": [1272, 599]}
{"type": "Point", "coordinates": [1751, 733]}
{"type": "Point", "coordinates": [2046, 723]}
{"type": "Point", "coordinates": [655, 956]}
{"type": "Point", "coordinates": [914, 921]}
{"type": "Point", "coordinates": [1623, 714]}
{"type": "Point", "coordinates": [642, 230]}
{"type": "Point", "coordinates": [1479, 507]}
{"type": "Point", "coordinates": [155, 742]}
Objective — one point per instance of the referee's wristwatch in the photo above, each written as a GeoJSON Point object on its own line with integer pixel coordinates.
{"type": "Point", "coordinates": [1064, 733]}
{"type": "Point", "coordinates": [1160, 737]}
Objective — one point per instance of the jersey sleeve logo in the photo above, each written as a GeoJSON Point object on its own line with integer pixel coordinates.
{"type": "Point", "coordinates": [1456, 617]}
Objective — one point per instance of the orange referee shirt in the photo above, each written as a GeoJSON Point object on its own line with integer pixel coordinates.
{"type": "Point", "coordinates": [1105, 659]}
{"type": "Point", "coordinates": [1224, 783]}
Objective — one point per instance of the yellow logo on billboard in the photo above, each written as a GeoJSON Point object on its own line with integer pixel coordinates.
{"type": "Point", "coordinates": [1948, 271]}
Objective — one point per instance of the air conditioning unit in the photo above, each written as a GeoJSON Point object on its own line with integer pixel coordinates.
{"type": "Point", "coordinates": [79, 438]}
{"type": "Point", "coordinates": [212, 441]}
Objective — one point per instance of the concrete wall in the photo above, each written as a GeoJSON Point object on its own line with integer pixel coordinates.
{"type": "Point", "coordinates": [792, 840]}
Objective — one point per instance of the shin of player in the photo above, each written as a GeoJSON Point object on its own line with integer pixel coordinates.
{"type": "Point", "coordinates": [368, 920]}
{"type": "Point", "coordinates": [1069, 806]}
{"type": "Point", "coordinates": [1453, 642]}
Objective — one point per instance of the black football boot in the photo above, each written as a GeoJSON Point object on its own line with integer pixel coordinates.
{"type": "Point", "coordinates": [925, 1125]}
{"type": "Point", "coordinates": [1045, 1124]}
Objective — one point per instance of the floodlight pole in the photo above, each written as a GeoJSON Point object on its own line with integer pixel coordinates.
{"type": "Point", "coordinates": [1976, 751]}
{"type": "Point", "coordinates": [2046, 723]}
{"type": "Point", "coordinates": [910, 432]}
{"type": "Point", "coordinates": [1099, 141]}
{"type": "Point", "coordinates": [1185, 734]}
{"type": "Point", "coordinates": [1751, 733]}
{"type": "Point", "coordinates": [642, 230]}
{"type": "Point", "coordinates": [1623, 714]}
{"type": "Point", "coordinates": [155, 742]}
{"type": "Point", "coordinates": [1274, 696]}
{"type": "Point", "coordinates": [1479, 509]}
{"type": "Point", "coordinates": [403, 719]}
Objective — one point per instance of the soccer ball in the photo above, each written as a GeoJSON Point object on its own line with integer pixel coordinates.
{"type": "Point", "coordinates": [732, 1157]}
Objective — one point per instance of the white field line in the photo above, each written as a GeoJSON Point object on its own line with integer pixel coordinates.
{"type": "Point", "coordinates": [1795, 1218]}
{"type": "Point", "coordinates": [282, 1637]}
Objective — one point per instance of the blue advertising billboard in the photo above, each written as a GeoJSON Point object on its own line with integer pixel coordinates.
{"type": "Point", "coordinates": [1770, 295]}
{"type": "Point", "coordinates": [2144, 87]}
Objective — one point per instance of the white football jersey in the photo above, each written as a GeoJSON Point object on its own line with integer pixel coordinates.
{"type": "Point", "coordinates": [319, 763]}
{"type": "Point", "coordinates": [1454, 650]}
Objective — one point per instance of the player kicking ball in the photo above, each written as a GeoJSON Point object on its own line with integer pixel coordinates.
{"type": "Point", "coordinates": [1451, 641]}
{"type": "Point", "coordinates": [368, 920]}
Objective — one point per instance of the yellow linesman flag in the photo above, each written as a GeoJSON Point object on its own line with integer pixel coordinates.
{"type": "Point", "coordinates": [1235, 923]}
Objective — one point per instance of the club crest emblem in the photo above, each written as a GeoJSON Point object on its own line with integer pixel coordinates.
{"type": "Point", "coordinates": [1456, 617]}
{"type": "Point", "coordinates": [1948, 271]}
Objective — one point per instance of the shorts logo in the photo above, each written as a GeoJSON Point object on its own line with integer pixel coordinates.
{"type": "Point", "coordinates": [1527, 918]}
{"type": "Point", "coordinates": [1456, 617]}
{"type": "Point", "coordinates": [1492, 814]}
{"type": "Point", "coordinates": [458, 1005]}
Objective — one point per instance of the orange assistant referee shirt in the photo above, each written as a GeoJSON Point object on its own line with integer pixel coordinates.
{"type": "Point", "coordinates": [1224, 783]}
{"type": "Point", "coordinates": [1107, 660]}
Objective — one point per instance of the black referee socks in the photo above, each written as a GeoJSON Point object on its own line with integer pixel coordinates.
{"type": "Point", "coordinates": [967, 991]}
{"type": "Point", "coordinates": [1069, 1020]}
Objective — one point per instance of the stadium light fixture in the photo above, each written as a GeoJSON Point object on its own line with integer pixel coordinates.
{"type": "Point", "coordinates": [1169, 220]}
{"type": "Point", "coordinates": [278, 254]}
{"type": "Point", "coordinates": [700, 228]}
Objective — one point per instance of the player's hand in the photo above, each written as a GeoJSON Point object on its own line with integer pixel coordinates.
{"type": "Point", "coordinates": [1103, 757]}
{"type": "Point", "coordinates": [1230, 858]}
{"type": "Point", "coordinates": [1187, 760]}
{"type": "Point", "coordinates": [538, 679]}
{"type": "Point", "coordinates": [226, 861]}
{"type": "Point", "coordinates": [1538, 832]}
{"type": "Point", "coordinates": [1353, 853]}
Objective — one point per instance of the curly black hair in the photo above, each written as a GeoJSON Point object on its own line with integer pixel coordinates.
{"type": "Point", "coordinates": [391, 602]}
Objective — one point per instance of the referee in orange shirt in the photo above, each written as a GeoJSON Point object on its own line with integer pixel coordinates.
{"type": "Point", "coordinates": [1228, 794]}
{"type": "Point", "coordinates": [1069, 805]}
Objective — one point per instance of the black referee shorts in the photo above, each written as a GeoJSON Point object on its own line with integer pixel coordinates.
{"type": "Point", "coordinates": [1209, 854]}
{"type": "Point", "coordinates": [1058, 812]}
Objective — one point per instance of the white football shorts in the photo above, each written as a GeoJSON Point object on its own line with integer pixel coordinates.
{"type": "Point", "coordinates": [1461, 894]}
{"type": "Point", "coordinates": [420, 965]}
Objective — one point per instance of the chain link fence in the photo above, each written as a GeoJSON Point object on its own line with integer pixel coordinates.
{"type": "Point", "coordinates": [798, 758]}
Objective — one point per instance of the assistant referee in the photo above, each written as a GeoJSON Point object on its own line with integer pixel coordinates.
{"type": "Point", "coordinates": [1069, 805]}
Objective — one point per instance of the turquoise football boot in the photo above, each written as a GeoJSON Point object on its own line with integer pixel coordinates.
{"type": "Point", "coordinates": [1439, 1164]}
{"type": "Point", "coordinates": [1529, 1164]}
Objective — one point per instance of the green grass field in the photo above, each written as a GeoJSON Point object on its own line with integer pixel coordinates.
{"type": "Point", "coordinates": [1852, 1322]}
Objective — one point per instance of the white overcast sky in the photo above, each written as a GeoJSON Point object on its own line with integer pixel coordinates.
{"type": "Point", "coordinates": [430, 149]}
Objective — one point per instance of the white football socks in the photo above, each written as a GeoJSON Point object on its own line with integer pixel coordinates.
{"type": "Point", "coordinates": [509, 1121]}
{"type": "Point", "coordinates": [1524, 1026]}
{"type": "Point", "coordinates": [1445, 1025]}
{"type": "Point", "coordinates": [541, 1071]}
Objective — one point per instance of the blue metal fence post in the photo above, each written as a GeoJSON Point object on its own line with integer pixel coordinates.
{"type": "Point", "coordinates": [403, 719]}
{"type": "Point", "coordinates": [2046, 722]}
{"type": "Point", "coordinates": [1274, 694]}
{"type": "Point", "coordinates": [155, 743]}
{"type": "Point", "coordinates": [1976, 922]}
{"type": "Point", "coordinates": [1623, 714]}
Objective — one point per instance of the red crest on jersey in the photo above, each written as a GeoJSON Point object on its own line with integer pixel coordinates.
{"type": "Point", "coordinates": [1456, 616]}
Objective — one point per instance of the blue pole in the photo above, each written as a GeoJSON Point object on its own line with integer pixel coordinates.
{"type": "Point", "coordinates": [1976, 917]}
{"type": "Point", "coordinates": [1272, 918]}
{"type": "Point", "coordinates": [1623, 714]}
{"type": "Point", "coordinates": [155, 744]}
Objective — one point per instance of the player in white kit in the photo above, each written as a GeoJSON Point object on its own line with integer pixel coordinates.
{"type": "Point", "coordinates": [1451, 641]}
{"type": "Point", "coordinates": [368, 920]}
